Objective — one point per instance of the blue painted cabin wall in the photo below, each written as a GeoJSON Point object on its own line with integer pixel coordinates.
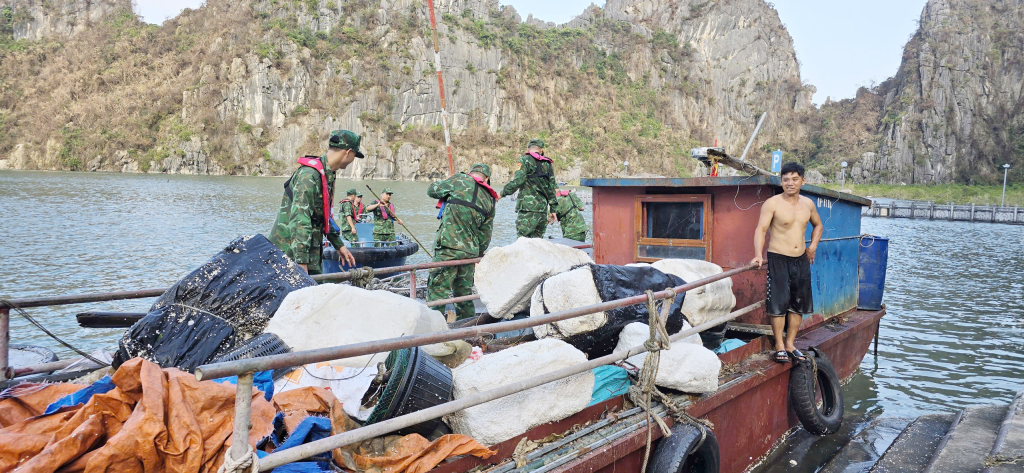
{"type": "Point", "coordinates": [834, 275]}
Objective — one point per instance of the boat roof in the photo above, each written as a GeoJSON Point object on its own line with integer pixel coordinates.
{"type": "Point", "coordinates": [721, 181]}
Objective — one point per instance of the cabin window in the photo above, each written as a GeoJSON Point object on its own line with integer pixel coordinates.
{"type": "Point", "coordinates": [673, 226]}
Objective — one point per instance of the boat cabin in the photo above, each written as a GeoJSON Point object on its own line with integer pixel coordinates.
{"type": "Point", "coordinates": [713, 218]}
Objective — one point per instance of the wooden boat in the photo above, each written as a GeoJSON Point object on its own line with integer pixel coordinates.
{"type": "Point", "coordinates": [751, 410]}
{"type": "Point", "coordinates": [712, 219]}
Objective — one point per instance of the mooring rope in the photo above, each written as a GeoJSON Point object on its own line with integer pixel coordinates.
{"type": "Point", "coordinates": [249, 463]}
{"type": "Point", "coordinates": [361, 277]}
{"type": "Point", "coordinates": [645, 390]}
{"type": "Point", "coordinates": [40, 326]}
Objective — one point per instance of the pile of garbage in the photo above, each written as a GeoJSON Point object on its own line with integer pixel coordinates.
{"type": "Point", "coordinates": [250, 300]}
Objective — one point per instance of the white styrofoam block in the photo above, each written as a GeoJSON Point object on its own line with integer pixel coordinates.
{"type": "Point", "coordinates": [507, 275]}
{"type": "Point", "coordinates": [330, 315]}
{"type": "Point", "coordinates": [686, 367]}
{"type": "Point", "coordinates": [501, 419]}
{"type": "Point", "coordinates": [566, 291]}
{"type": "Point", "coordinates": [704, 303]}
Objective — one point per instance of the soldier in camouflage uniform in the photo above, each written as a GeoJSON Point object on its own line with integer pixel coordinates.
{"type": "Point", "coordinates": [465, 232]}
{"type": "Point", "coordinates": [535, 181]}
{"type": "Point", "coordinates": [384, 217]}
{"type": "Point", "coordinates": [574, 227]}
{"type": "Point", "coordinates": [351, 210]}
{"type": "Point", "coordinates": [305, 212]}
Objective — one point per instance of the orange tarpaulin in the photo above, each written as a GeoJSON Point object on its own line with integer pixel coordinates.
{"type": "Point", "coordinates": [29, 400]}
{"type": "Point", "coordinates": [154, 420]}
{"type": "Point", "coordinates": [158, 420]}
{"type": "Point", "coordinates": [393, 454]}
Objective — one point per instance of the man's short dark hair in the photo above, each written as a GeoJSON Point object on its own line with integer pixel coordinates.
{"type": "Point", "coordinates": [792, 167]}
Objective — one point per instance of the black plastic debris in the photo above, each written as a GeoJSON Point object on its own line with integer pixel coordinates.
{"type": "Point", "coordinates": [220, 304]}
{"type": "Point", "coordinates": [618, 282]}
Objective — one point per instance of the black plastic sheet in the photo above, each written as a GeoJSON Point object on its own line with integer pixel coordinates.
{"type": "Point", "coordinates": [618, 282]}
{"type": "Point", "coordinates": [227, 300]}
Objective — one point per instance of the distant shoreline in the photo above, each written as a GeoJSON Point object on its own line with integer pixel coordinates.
{"type": "Point", "coordinates": [940, 193]}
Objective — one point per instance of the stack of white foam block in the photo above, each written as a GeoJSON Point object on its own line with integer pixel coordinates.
{"type": "Point", "coordinates": [566, 291]}
{"type": "Point", "coordinates": [704, 303]}
{"type": "Point", "coordinates": [686, 367]}
{"type": "Point", "coordinates": [504, 418]}
{"type": "Point", "coordinates": [331, 315]}
{"type": "Point", "coordinates": [507, 275]}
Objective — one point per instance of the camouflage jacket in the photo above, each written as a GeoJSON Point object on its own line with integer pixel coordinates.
{"type": "Point", "coordinates": [465, 229]}
{"type": "Point", "coordinates": [535, 181]}
{"type": "Point", "coordinates": [568, 213]}
{"type": "Point", "coordinates": [347, 210]}
{"type": "Point", "coordinates": [381, 225]}
{"type": "Point", "coordinates": [298, 231]}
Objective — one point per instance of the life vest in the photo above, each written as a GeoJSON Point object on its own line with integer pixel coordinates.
{"type": "Point", "coordinates": [473, 204]}
{"type": "Point", "coordinates": [356, 212]}
{"type": "Point", "coordinates": [541, 170]}
{"type": "Point", "coordinates": [315, 163]}
{"type": "Point", "coordinates": [384, 210]}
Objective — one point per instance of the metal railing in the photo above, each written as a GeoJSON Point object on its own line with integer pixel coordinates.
{"type": "Point", "coordinates": [246, 368]}
{"type": "Point", "coordinates": [6, 372]}
{"type": "Point", "coordinates": [951, 212]}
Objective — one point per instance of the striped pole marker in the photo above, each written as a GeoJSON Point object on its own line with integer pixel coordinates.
{"type": "Point", "coordinates": [440, 87]}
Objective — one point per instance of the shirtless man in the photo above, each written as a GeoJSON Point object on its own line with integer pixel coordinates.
{"type": "Point", "coordinates": [785, 216]}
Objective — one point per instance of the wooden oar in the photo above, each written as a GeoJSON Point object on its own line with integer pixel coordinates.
{"type": "Point", "coordinates": [380, 201]}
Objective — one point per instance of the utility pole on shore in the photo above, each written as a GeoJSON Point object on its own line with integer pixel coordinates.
{"type": "Point", "coordinates": [1006, 168]}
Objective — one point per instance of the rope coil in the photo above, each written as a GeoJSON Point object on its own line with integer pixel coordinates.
{"type": "Point", "coordinates": [361, 277]}
{"type": "Point", "coordinates": [642, 393]}
{"type": "Point", "coordinates": [249, 463]}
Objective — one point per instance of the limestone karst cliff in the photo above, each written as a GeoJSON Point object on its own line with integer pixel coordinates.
{"type": "Point", "coordinates": [954, 112]}
{"type": "Point", "coordinates": [244, 87]}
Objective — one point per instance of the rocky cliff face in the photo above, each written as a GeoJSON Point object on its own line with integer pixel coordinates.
{"type": "Point", "coordinates": [238, 87]}
{"type": "Point", "coordinates": [954, 111]}
{"type": "Point", "coordinates": [37, 19]}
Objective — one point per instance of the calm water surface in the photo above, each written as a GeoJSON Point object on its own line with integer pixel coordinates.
{"type": "Point", "coordinates": [953, 336]}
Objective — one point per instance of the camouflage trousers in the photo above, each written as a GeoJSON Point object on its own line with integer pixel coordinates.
{"type": "Point", "coordinates": [575, 236]}
{"type": "Point", "coordinates": [383, 237]}
{"type": "Point", "coordinates": [531, 224]}
{"type": "Point", "coordinates": [452, 281]}
{"type": "Point", "coordinates": [350, 236]}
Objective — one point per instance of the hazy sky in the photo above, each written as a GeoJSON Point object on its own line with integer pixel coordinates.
{"type": "Point", "coordinates": [841, 44]}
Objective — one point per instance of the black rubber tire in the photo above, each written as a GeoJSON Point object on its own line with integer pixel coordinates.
{"type": "Point", "coordinates": [714, 336]}
{"type": "Point", "coordinates": [829, 417]}
{"type": "Point", "coordinates": [680, 453]}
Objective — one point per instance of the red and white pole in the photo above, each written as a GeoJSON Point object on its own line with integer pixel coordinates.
{"type": "Point", "coordinates": [440, 88]}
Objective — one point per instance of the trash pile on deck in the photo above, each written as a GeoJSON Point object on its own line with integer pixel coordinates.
{"type": "Point", "coordinates": [249, 300]}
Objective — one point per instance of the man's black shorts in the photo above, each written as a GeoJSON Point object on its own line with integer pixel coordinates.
{"type": "Point", "coordinates": [789, 285]}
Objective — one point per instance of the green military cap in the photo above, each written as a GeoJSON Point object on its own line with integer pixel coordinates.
{"type": "Point", "coordinates": [344, 139]}
{"type": "Point", "coordinates": [359, 195]}
{"type": "Point", "coordinates": [351, 192]}
{"type": "Point", "coordinates": [482, 169]}
{"type": "Point", "coordinates": [387, 190]}
{"type": "Point", "coordinates": [538, 143]}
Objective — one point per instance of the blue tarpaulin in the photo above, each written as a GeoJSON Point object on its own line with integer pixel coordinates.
{"type": "Point", "coordinates": [729, 345]}
{"type": "Point", "coordinates": [264, 381]}
{"type": "Point", "coordinates": [310, 429]}
{"type": "Point", "coordinates": [82, 395]}
{"type": "Point", "coordinates": [609, 381]}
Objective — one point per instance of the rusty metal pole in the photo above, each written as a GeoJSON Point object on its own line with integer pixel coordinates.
{"type": "Point", "coordinates": [243, 402]}
{"type": "Point", "coordinates": [5, 334]}
{"type": "Point", "coordinates": [412, 284]}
